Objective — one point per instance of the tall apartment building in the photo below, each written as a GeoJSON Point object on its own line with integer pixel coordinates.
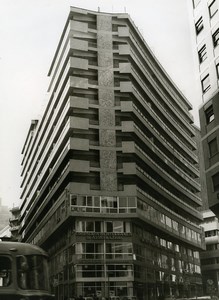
{"type": "Point", "coordinates": [109, 174]}
{"type": "Point", "coordinates": [206, 33]}
{"type": "Point", "coordinates": [205, 26]}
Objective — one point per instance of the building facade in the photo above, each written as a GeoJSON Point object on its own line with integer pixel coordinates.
{"type": "Point", "coordinates": [4, 215]}
{"type": "Point", "coordinates": [109, 174]}
{"type": "Point", "coordinates": [205, 26]}
{"type": "Point", "coordinates": [210, 257]}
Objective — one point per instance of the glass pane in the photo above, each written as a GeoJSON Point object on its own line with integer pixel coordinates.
{"type": "Point", "coordinates": [32, 272]}
{"type": "Point", "coordinates": [5, 271]}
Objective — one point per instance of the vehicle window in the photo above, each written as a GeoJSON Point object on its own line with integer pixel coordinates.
{"type": "Point", "coordinates": [32, 272]}
{"type": "Point", "coordinates": [5, 271]}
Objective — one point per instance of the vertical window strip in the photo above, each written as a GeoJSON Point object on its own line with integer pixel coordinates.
{"type": "Point", "coordinates": [205, 83]}
{"type": "Point", "coordinates": [199, 25]}
{"type": "Point", "coordinates": [213, 8]}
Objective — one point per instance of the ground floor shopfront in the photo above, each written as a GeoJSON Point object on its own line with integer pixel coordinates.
{"type": "Point", "coordinates": [121, 265]}
{"type": "Point", "coordinates": [130, 251]}
{"type": "Point", "coordinates": [126, 290]}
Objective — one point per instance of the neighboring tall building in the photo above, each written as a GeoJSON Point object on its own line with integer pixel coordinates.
{"type": "Point", "coordinates": [109, 174]}
{"type": "Point", "coordinates": [206, 33]}
{"type": "Point", "coordinates": [210, 257]}
{"type": "Point", "coordinates": [4, 215]}
{"type": "Point", "coordinates": [205, 26]}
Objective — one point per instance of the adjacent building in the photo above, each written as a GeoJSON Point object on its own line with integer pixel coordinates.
{"type": "Point", "coordinates": [210, 257]}
{"type": "Point", "coordinates": [109, 174]}
{"type": "Point", "coordinates": [205, 26]}
{"type": "Point", "coordinates": [206, 32]}
{"type": "Point", "coordinates": [4, 215]}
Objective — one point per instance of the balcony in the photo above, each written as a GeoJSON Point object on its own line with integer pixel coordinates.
{"type": "Point", "coordinates": [130, 69]}
{"type": "Point", "coordinates": [212, 240]}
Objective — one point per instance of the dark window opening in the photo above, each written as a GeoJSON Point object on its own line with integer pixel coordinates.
{"type": "Point", "coordinates": [199, 25]}
{"type": "Point", "coordinates": [5, 271]}
{"type": "Point", "coordinates": [213, 149]}
{"type": "Point", "coordinates": [215, 180]}
{"type": "Point", "coordinates": [205, 83]}
{"type": "Point", "coordinates": [209, 113]}
{"type": "Point", "coordinates": [217, 70]}
{"type": "Point", "coordinates": [202, 54]}
{"type": "Point", "coordinates": [215, 37]}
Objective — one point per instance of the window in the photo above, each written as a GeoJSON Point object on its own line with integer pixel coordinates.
{"type": "Point", "coordinates": [213, 147]}
{"type": "Point", "coordinates": [215, 37]}
{"type": "Point", "coordinates": [202, 54]}
{"type": "Point", "coordinates": [5, 271]}
{"type": "Point", "coordinates": [168, 222]}
{"type": "Point", "coordinates": [199, 25]}
{"type": "Point", "coordinates": [209, 114]}
{"type": "Point", "coordinates": [213, 8]}
{"type": "Point", "coordinates": [215, 180]}
{"type": "Point", "coordinates": [32, 272]}
{"type": "Point", "coordinates": [109, 226]}
{"type": "Point", "coordinates": [217, 69]}
{"type": "Point", "coordinates": [195, 3]}
{"type": "Point", "coordinates": [205, 83]}
{"type": "Point", "coordinates": [175, 225]}
{"type": "Point", "coordinates": [210, 233]}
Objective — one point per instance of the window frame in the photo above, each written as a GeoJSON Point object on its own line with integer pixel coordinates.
{"type": "Point", "coordinates": [213, 147]}
{"type": "Point", "coordinates": [215, 37]}
{"type": "Point", "coordinates": [195, 3]}
{"type": "Point", "coordinates": [199, 25]}
{"type": "Point", "coordinates": [215, 8]}
{"type": "Point", "coordinates": [209, 114]}
{"type": "Point", "coordinates": [205, 87]}
{"type": "Point", "coordinates": [215, 182]}
{"type": "Point", "coordinates": [202, 54]}
{"type": "Point", "coordinates": [217, 70]}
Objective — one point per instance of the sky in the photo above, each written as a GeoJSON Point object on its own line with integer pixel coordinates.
{"type": "Point", "coordinates": [30, 31]}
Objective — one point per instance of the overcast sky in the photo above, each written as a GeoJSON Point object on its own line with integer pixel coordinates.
{"type": "Point", "coordinates": [30, 31]}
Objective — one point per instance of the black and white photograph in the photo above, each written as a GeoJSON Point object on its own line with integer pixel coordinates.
{"type": "Point", "coordinates": [109, 150]}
